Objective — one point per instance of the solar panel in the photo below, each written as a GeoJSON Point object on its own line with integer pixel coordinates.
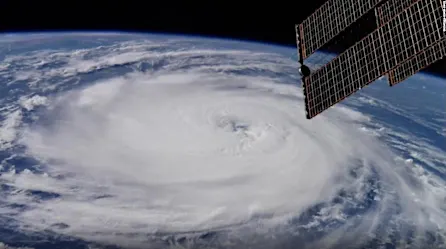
{"type": "Point", "coordinates": [328, 21]}
{"type": "Point", "coordinates": [417, 62]}
{"type": "Point", "coordinates": [410, 32]}
{"type": "Point", "coordinates": [391, 8]}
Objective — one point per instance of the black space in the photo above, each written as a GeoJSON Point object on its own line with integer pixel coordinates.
{"type": "Point", "coordinates": [262, 21]}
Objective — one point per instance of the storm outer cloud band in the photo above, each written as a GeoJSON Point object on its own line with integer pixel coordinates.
{"type": "Point", "coordinates": [197, 145]}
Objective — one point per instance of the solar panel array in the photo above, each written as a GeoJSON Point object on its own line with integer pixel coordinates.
{"type": "Point", "coordinates": [424, 57]}
{"type": "Point", "coordinates": [390, 9]}
{"type": "Point", "coordinates": [410, 32]}
{"type": "Point", "coordinates": [344, 75]}
{"type": "Point", "coordinates": [417, 62]}
{"type": "Point", "coordinates": [329, 20]}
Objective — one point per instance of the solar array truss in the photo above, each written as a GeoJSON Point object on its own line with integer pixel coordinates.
{"type": "Point", "coordinates": [403, 44]}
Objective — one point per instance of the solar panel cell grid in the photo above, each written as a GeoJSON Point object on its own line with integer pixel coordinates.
{"type": "Point", "coordinates": [418, 62]}
{"type": "Point", "coordinates": [392, 8]}
{"type": "Point", "coordinates": [329, 20]}
{"type": "Point", "coordinates": [373, 56]}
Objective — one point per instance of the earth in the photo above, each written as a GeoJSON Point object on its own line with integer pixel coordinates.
{"type": "Point", "coordinates": [112, 140]}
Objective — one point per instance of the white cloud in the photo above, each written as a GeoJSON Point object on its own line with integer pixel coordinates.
{"type": "Point", "coordinates": [195, 148]}
{"type": "Point", "coordinates": [30, 103]}
{"type": "Point", "coordinates": [168, 154]}
{"type": "Point", "coordinates": [8, 129]}
{"type": "Point", "coordinates": [5, 246]}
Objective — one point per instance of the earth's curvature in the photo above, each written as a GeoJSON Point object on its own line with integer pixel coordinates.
{"type": "Point", "coordinates": [138, 141]}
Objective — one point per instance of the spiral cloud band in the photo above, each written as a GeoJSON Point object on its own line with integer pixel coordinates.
{"type": "Point", "coordinates": [209, 140]}
{"type": "Point", "coordinates": [195, 152]}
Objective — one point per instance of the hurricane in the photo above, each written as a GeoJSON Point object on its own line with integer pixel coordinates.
{"type": "Point", "coordinates": [175, 143]}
